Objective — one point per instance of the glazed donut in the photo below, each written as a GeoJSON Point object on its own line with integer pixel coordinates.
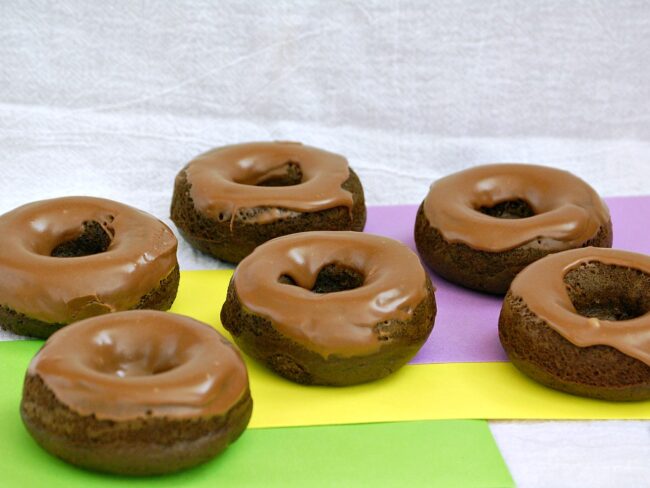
{"type": "Point", "coordinates": [230, 200]}
{"type": "Point", "coordinates": [578, 321]}
{"type": "Point", "coordinates": [330, 308]}
{"type": "Point", "coordinates": [481, 226]}
{"type": "Point", "coordinates": [139, 393]}
{"type": "Point", "coordinates": [70, 258]}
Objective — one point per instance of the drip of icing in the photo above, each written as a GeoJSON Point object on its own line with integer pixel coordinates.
{"type": "Point", "coordinates": [542, 288]}
{"type": "Point", "coordinates": [331, 323]}
{"type": "Point", "coordinates": [217, 190]}
{"type": "Point", "coordinates": [142, 252]}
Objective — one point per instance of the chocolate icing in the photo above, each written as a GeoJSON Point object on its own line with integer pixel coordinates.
{"type": "Point", "coordinates": [343, 322]}
{"type": "Point", "coordinates": [141, 363]}
{"type": "Point", "coordinates": [542, 288]}
{"type": "Point", "coordinates": [223, 181]}
{"type": "Point", "coordinates": [142, 252]}
{"type": "Point", "coordinates": [567, 210]}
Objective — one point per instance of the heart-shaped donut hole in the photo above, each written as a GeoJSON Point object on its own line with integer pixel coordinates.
{"type": "Point", "coordinates": [94, 239]}
{"type": "Point", "coordinates": [509, 209]}
{"type": "Point", "coordinates": [331, 278]}
{"type": "Point", "coordinates": [608, 292]}
{"type": "Point", "coordinates": [287, 174]}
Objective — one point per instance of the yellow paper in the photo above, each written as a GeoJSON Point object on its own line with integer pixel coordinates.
{"type": "Point", "coordinates": [419, 392]}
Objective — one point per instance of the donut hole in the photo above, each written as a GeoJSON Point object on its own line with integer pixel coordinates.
{"type": "Point", "coordinates": [287, 174]}
{"type": "Point", "coordinates": [608, 292]}
{"type": "Point", "coordinates": [94, 239]}
{"type": "Point", "coordinates": [146, 361]}
{"type": "Point", "coordinates": [509, 209]}
{"type": "Point", "coordinates": [331, 278]}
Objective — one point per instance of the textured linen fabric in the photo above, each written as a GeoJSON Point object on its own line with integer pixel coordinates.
{"type": "Point", "coordinates": [112, 98]}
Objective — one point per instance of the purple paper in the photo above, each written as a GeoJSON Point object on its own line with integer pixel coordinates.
{"type": "Point", "coordinates": [466, 323]}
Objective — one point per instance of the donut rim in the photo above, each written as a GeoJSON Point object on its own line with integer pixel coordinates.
{"type": "Point", "coordinates": [134, 445]}
{"type": "Point", "coordinates": [483, 271]}
{"type": "Point", "coordinates": [257, 337]}
{"type": "Point", "coordinates": [484, 253]}
{"type": "Point", "coordinates": [616, 372]}
{"type": "Point", "coordinates": [372, 349]}
{"type": "Point", "coordinates": [221, 168]}
{"type": "Point", "coordinates": [126, 260]}
{"type": "Point", "coordinates": [557, 198]}
{"type": "Point", "coordinates": [233, 241]}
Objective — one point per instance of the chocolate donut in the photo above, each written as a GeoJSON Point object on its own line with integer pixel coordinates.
{"type": "Point", "coordinates": [230, 200]}
{"type": "Point", "coordinates": [330, 308]}
{"type": "Point", "coordinates": [480, 227]}
{"type": "Point", "coordinates": [138, 393]}
{"type": "Point", "coordinates": [71, 258]}
{"type": "Point", "coordinates": [578, 321]}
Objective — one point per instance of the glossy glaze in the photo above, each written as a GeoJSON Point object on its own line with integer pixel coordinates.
{"type": "Point", "coordinates": [341, 322]}
{"type": "Point", "coordinates": [568, 212]}
{"type": "Point", "coordinates": [141, 363]}
{"type": "Point", "coordinates": [223, 181]}
{"type": "Point", "coordinates": [142, 252]}
{"type": "Point", "coordinates": [541, 286]}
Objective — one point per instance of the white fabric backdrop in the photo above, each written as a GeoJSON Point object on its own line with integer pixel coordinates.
{"type": "Point", "coordinates": [112, 98]}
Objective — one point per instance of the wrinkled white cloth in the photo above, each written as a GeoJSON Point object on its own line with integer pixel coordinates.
{"type": "Point", "coordinates": [112, 98]}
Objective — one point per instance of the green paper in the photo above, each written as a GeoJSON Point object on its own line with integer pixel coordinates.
{"type": "Point", "coordinates": [446, 453]}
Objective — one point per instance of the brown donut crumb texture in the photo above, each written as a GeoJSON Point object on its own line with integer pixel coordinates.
{"type": "Point", "coordinates": [489, 272]}
{"type": "Point", "coordinates": [118, 447]}
{"type": "Point", "coordinates": [600, 371]}
{"type": "Point", "coordinates": [233, 241]}
{"type": "Point", "coordinates": [257, 336]}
